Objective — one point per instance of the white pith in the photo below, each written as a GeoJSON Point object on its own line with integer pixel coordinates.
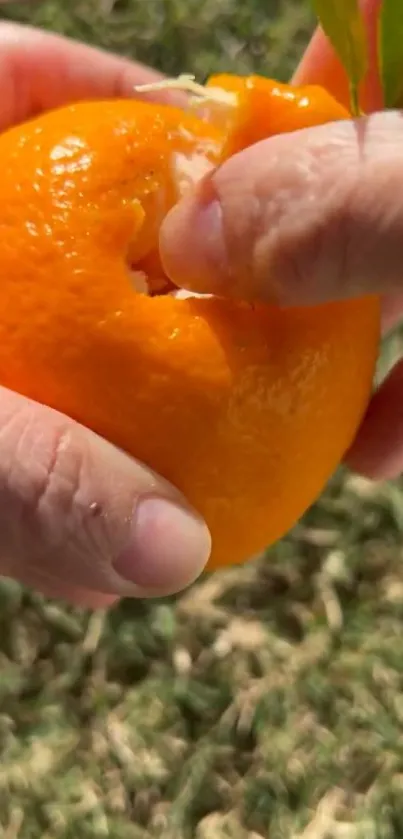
{"type": "Point", "coordinates": [139, 281]}
{"type": "Point", "coordinates": [186, 83]}
{"type": "Point", "coordinates": [188, 170]}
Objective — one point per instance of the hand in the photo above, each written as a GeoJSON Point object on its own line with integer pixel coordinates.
{"type": "Point", "coordinates": [78, 518]}
{"type": "Point", "coordinates": [307, 218]}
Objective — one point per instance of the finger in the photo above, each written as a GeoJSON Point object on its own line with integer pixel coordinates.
{"type": "Point", "coordinates": [39, 71]}
{"type": "Point", "coordinates": [304, 218]}
{"type": "Point", "coordinates": [320, 64]}
{"type": "Point", "coordinates": [56, 590]}
{"type": "Point", "coordinates": [78, 515]}
{"type": "Point", "coordinates": [378, 449]}
{"type": "Point", "coordinates": [392, 308]}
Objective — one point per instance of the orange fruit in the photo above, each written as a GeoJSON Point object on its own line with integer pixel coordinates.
{"type": "Point", "coordinates": [246, 409]}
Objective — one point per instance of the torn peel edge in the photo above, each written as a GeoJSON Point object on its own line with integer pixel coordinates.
{"type": "Point", "coordinates": [148, 278]}
{"type": "Point", "coordinates": [198, 93]}
{"type": "Point", "coordinates": [142, 286]}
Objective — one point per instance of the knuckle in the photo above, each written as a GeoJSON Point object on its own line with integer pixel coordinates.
{"type": "Point", "coordinates": [29, 474]}
{"type": "Point", "coordinates": [18, 450]}
{"type": "Point", "coordinates": [68, 510]}
{"type": "Point", "coordinates": [72, 512]}
{"type": "Point", "coordinates": [41, 467]}
{"type": "Point", "coordinates": [58, 487]}
{"type": "Point", "coordinates": [60, 512]}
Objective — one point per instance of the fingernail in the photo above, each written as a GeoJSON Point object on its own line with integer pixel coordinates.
{"type": "Point", "coordinates": [192, 245]}
{"type": "Point", "coordinates": [169, 546]}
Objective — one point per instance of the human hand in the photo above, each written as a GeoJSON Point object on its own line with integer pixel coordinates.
{"type": "Point", "coordinates": [78, 518]}
{"type": "Point", "coordinates": [308, 218]}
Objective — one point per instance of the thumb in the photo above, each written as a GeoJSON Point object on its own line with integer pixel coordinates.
{"type": "Point", "coordinates": [303, 218]}
{"type": "Point", "coordinates": [81, 520]}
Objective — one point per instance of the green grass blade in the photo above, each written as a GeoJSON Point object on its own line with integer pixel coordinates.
{"type": "Point", "coordinates": [391, 52]}
{"type": "Point", "coordinates": [342, 22]}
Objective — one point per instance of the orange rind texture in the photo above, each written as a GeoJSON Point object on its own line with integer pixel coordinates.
{"type": "Point", "coordinates": [247, 409]}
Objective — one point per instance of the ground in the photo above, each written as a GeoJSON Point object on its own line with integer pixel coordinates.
{"type": "Point", "coordinates": [267, 700]}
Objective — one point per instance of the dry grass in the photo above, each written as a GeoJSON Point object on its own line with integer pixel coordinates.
{"type": "Point", "coordinates": [264, 702]}
{"type": "Point", "coordinates": [267, 700]}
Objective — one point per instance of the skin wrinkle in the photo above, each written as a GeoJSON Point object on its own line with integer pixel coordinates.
{"type": "Point", "coordinates": [269, 240]}
{"type": "Point", "coordinates": [84, 535]}
{"type": "Point", "coordinates": [239, 219]}
{"type": "Point", "coordinates": [338, 231]}
{"type": "Point", "coordinates": [376, 205]}
{"type": "Point", "coordinates": [46, 510]}
{"type": "Point", "coordinates": [70, 493]}
{"type": "Point", "coordinates": [323, 249]}
{"type": "Point", "coordinates": [43, 496]}
{"type": "Point", "coordinates": [283, 218]}
{"type": "Point", "coordinates": [252, 235]}
{"type": "Point", "coordinates": [313, 228]}
{"type": "Point", "coordinates": [61, 485]}
{"type": "Point", "coordinates": [17, 493]}
{"type": "Point", "coordinates": [309, 243]}
{"type": "Point", "coordinates": [30, 492]}
{"type": "Point", "coordinates": [244, 212]}
{"type": "Point", "coordinates": [63, 501]}
{"type": "Point", "coordinates": [378, 448]}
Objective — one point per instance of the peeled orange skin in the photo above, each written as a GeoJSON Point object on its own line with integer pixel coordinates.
{"type": "Point", "coordinates": [266, 107]}
{"type": "Point", "coordinates": [246, 409]}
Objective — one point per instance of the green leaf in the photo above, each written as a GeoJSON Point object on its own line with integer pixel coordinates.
{"type": "Point", "coordinates": [342, 23]}
{"type": "Point", "coordinates": [391, 52]}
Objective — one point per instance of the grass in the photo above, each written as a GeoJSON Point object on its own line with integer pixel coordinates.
{"type": "Point", "coordinates": [197, 36]}
{"type": "Point", "coordinates": [267, 700]}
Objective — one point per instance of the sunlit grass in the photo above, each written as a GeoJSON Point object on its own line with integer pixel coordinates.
{"type": "Point", "coordinates": [267, 700]}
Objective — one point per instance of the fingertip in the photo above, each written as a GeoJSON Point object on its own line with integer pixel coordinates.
{"type": "Point", "coordinates": [192, 245]}
{"type": "Point", "coordinates": [168, 549]}
{"type": "Point", "coordinates": [83, 520]}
